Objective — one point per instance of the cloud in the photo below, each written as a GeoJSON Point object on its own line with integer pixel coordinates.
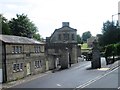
{"type": "Point", "coordinates": [48, 15]}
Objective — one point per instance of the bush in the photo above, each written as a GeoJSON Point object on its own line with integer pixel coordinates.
{"type": "Point", "coordinates": [117, 46]}
{"type": "Point", "coordinates": [110, 50]}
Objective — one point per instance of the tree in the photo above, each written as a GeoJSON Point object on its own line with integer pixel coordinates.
{"type": "Point", "coordinates": [78, 39]}
{"type": "Point", "coordinates": [5, 26]}
{"type": "Point", "coordinates": [86, 35]}
{"type": "Point", "coordinates": [37, 36]}
{"type": "Point", "coordinates": [111, 34]}
{"type": "Point", "coordinates": [99, 36]}
{"type": "Point", "coordinates": [107, 26]}
{"type": "Point", "coordinates": [118, 49]}
{"type": "Point", "coordinates": [22, 26]}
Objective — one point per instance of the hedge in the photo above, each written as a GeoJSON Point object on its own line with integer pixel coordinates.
{"type": "Point", "coordinates": [112, 49]}
{"type": "Point", "coordinates": [117, 49]}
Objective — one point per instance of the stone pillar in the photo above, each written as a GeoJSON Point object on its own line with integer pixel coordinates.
{"type": "Point", "coordinates": [78, 51]}
{"type": "Point", "coordinates": [64, 60]}
{"type": "Point", "coordinates": [95, 62]}
{"type": "Point", "coordinates": [74, 54]}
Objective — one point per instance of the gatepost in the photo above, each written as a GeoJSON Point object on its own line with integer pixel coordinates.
{"type": "Point", "coordinates": [95, 62]}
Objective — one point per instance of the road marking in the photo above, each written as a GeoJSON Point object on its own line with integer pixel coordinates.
{"type": "Point", "coordinates": [81, 66]}
{"type": "Point", "coordinates": [95, 79]}
{"type": "Point", "coordinates": [88, 83]}
{"type": "Point", "coordinates": [59, 85]}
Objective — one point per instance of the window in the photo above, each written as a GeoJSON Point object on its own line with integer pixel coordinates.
{"type": "Point", "coordinates": [42, 48]}
{"type": "Point", "coordinates": [13, 49]}
{"type": "Point", "coordinates": [38, 64]}
{"type": "Point", "coordinates": [17, 67]}
{"type": "Point", "coordinates": [27, 54]}
{"type": "Point", "coordinates": [66, 36]}
{"type": "Point", "coordinates": [14, 67]}
{"type": "Point", "coordinates": [21, 66]}
{"type": "Point", "coordinates": [16, 49]}
{"type": "Point", "coordinates": [20, 49]}
{"type": "Point", "coordinates": [37, 49]}
{"type": "Point", "coordinates": [59, 37]}
{"type": "Point", "coordinates": [73, 37]}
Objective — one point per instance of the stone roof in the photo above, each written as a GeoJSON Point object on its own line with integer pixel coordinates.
{"type": "Point", "coordinates": [18, 39]}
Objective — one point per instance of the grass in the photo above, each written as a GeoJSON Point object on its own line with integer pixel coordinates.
{"type": "Point", "coordinates": [85, 48]}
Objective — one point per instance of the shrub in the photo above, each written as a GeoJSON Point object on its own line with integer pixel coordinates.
{"type": "Point", "coordinates": [110, 50]}
{"type": "Point", "coordinates": [117, 49]}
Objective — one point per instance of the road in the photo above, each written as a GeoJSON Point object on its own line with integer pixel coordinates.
{"type": "Point", "coordinates": [73, 77]}
{"type": "Point", "coordinates": [108, 80]}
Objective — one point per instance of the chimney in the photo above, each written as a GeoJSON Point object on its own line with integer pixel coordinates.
{"type": "Point", "coordinates": [30, 35]}
{"type": "Point", "coordinates": [65, 24]}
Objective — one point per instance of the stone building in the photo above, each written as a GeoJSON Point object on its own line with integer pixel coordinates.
{"type": "Point", "coordinates": [61, 47]}
{"type": "Point", "coordinates": [90, 41]}
{"type": "Point", "coordinates": [21, 57]}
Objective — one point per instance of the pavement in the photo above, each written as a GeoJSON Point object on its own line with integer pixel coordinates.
{"type": "Point", "coordinates": [32, 77]}
{"type": "Point", "coordinates": [26, 79]}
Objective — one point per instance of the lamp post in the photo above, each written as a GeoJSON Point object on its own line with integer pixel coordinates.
{"type": "Point", "coordinates": [114, 15]}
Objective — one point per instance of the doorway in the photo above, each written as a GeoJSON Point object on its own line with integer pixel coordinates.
{"type": "Point", "coordinates": [28, 68]}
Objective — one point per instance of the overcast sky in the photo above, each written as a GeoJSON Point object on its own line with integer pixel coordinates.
{"type": "Point", "coordinates": [48, 15]}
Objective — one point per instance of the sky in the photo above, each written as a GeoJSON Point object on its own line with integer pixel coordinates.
{"type": "Point", "coordinates": [48, 15]}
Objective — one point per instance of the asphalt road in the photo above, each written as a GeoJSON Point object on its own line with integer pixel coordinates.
{"type": "Point", "coordinates": [73, 77]}
{"type": "Point", "coordinates": [108, 80]}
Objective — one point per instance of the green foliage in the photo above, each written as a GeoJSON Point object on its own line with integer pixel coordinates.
{"type": "Point", "coordinates": [22, 26]}
{"type": "Point", "coordinates": [86, 35]}
{"type": "Point", "coordinates": [117, 46]}
{"type": "Point", "coordinates": [107, 26]}
{"type": "Point", "coordinates": [78, 39]}
{"type": "Point", "coordinates": [110, 49]}
{"type": "Point", "coordinates": [84, 46]}
{"type": "Point", "coordinates": [111, 34]}
{"type": "Point", "coordinates": [37, 36]}
{"type": "Point", "coordinates": [5, 26]}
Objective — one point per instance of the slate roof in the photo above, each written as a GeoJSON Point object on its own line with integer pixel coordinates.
{"type": "Point", "coordinates": [18, 39]}
{"type": "Point", "coordinates": [62, 28]}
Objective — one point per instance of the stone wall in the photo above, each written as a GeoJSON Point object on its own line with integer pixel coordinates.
{"type": "Point", "coordinates": [63, 42]}
{"type": "Point", "coordinates": [17, 58]}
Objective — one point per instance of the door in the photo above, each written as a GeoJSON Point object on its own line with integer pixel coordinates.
{"type": "Point", "coordinates": [28, 68]}
{"type": "Point", "coordinates": [47, 65]}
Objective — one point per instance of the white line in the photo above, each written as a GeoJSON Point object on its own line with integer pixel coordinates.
{"type": "Point", "coordinates": [95, 79]}
{"type": "Point", "coordinates": [89, 82]}
{"type": "Point", "coordinates": [81, 66]}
